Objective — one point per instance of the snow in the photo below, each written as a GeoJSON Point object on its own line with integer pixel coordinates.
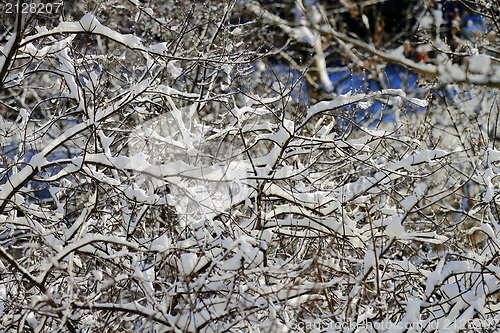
{"type": "Point", "coordinates": [87, 239]}
{"type": "Point", "coordinates": [135, 193]}
{"type": "Point", "coordinates": [451, 73]}
{"type": "Point", "coordinates": [369, 261]}
{"type": "Point", "coordinates": [236, 31]}
{"type": "Point", "coordinates": [321, 67]}
{"type": "Point", "coordinates": [88, 23]}
{"type": "Point", "coordinates": [56, 47]}
{"type": "Point", "coordinates": [435, 278]}
{"type": "Point", "coordinates": [418, 102]}
{"type": "Point", "coordinates": [457, 317]}
{"type": "Point", "coordinates": [173, 70]}
{"type": "Point", "coordinates": [69, 73]}
{"type": "Point", "coordinates": [425, 156]}
{"type": "Point", "coordinates": [7, 49]}
{"type": "Point", "coordinates": [395, 229]}
{"type": "Point", "coordinates": [285, 131]}
{"type": "Point", "coordinates": [426, 22]}
{"type": "Point", "coordinates": [187, 263]}
{"type": "Point", "coordinates": [349, 98]}
{"type": "Point", "coordinates": [420, 190]}
{"type": "Point", "coordinates": [412, 312]}
{"type": "Point", "coordinates": [16, 180]}
{"type": "Point", "coordinates": [106, 142]}
{"type": "Point", "coordinates": [70, 233]}
{"type": "Point", "coordinates": [38, 161]}
{"type": "Point", "coordinates": [492, 155]}
{"type": "Point", "coordinates": [234, 263]}
{"type": "Point", "coordinates": [32, 321]}
{"type": "Point", "coordinates": [412, 200]}
{"type": "Point", "coordinates": [3, 294]}
{"type": "Point", "coordinates": [479, 64]}
{"type": "Point", "coordinates": [139, 162]}
{"type": "Point", "coordinates": [337, 102]}
{"type": "Point", "coordinates": [159, 48]}
{"type": "Point", "coordinates": [172, 91]}
{"type": "Point", "coordinates": [152, 213]}
{"type": "Point", "coordinates": [490, 190]}
{"type": "Point", "coordinates": [305, 35]}
{"type": "Point", "coordinates": [161, 244]}
{"type": "Point", "coordinates": [438, 18]}
{"type": "Point", "coordinates": [409, 202]}
{"type": "Point", "coordinates": [98, 275]}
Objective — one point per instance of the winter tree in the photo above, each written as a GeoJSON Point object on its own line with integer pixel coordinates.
{"type": "Point", "coordinates": [244, 166]}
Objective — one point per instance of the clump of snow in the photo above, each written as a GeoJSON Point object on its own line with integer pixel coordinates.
{"type": "Point", "coordinates": [161, 244]}
{"type": "Point", "coordinates": [31, 48]}
{"type": "Point", "coordinates": [6, 50]}
{"type": "Point", "coordinates": [89, 23]}
{"type": "Point", "coordinates": [438, 17]}
{"type": "Point", "coordinates": [38, 160]}
{"type": "Point", "coordinates": [173, 70]}
{"type": "Point", "coordinates": [490, 190]}
{"type": "Point", "coordinates": [369, 261]}
{"type": "Point", "coordinates": [158, 48]}
{"type": "Point", "coordinates": [426, 22]}
{"type": "Point", "coordinates": [32, 321]}
{"type": "Point", "coordinates": [69, 73]}
{"type": "Point", "coordinates": [98, 275]}
{"type": "Point", "coordinates": [187, 263]}
{"type": "Point", "coordinates": [435, 278]}
{"type": "Point", "coordinates": [133, 192]}
{"type": "Point", "coordinates": [479, 64]}
{"type": "Point", "coordinates": [140, 87]}
{"type": "Point", "coordinates": [139, 161]}
{"type": "Point", "coordinates": [412, 311]}
{"type": "Point", "coordinates": [305, 35]}
{"type": "Point", "coordinates": [412, 200]}
{"type": "Point", "coordinates": [236, 31]}
{"type": "Point", "coordinates": [409, 202]}
{"type": "Point", "coordinates": [395, 229]}
{"type": "Point", "coordinates": [451, 73]}
{"type": "Point", "coordinates": [420, 190]}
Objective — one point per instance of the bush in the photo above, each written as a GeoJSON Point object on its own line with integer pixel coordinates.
{"type": "Point", "coordinates": [203, 171]}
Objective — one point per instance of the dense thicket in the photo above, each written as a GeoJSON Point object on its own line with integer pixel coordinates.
{"type": "Point", "coordinates": [242, 166]}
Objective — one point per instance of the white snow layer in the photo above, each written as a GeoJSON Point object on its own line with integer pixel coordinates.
{"type": "Point", "coordinates": [88, 23]}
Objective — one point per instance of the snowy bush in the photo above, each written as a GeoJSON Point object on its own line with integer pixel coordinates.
{"type": "Point", "coordinates": [186, 172]}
